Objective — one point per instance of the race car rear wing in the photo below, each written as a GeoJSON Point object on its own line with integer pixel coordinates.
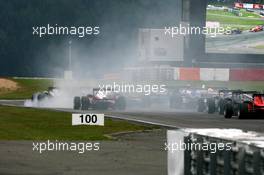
{"type": "Point", "coordinates": [246, 92]}
{"type": "Point", "coordinates": [258, 99]}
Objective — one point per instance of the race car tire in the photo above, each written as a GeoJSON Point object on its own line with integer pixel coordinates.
{"type": "Point", "coordinates": [201, 105]}
{"type": "Point", "coordinates": [228, 111]}
{"type": "Point", "coordinates": [120, 103]}
{"type": "Point", "coordinates": [85, 103]}
{"type": "Point", "coordinates": [77, 103]}
{"type": "Point", "coordinates": [211, 106]}
{"type": "Point", "coordinates": [242, 111]}
{"type": "Point", "coordinates": [221, 107]}
{"type": "Point", "coordinates": [34, 97]}
{"type": "Point", "coordinates": [41, 96]}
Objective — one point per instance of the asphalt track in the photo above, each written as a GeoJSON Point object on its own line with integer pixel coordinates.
{"type": "Point", "coordinates": [237, 43]}
{"type": "Point", "coordinates": [169, 118]}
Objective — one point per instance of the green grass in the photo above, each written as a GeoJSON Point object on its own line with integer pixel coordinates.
{"type": "Point", "coordinates": [259, 46]}
{"type": "Point", "coordinates": [249, 14]}
{"type": "Point", "coordinates": [232, 20]}
{"type": "Point", "coordinates": [220, 12]}
{"type": "Point", "coordinates": [27, 88]}
{"type": "Point", "coordinates": [34, 124]}
{"type": "Point", "coordinates": [228, 19]}
{"type": "Point", "coordinates": [227, 13]}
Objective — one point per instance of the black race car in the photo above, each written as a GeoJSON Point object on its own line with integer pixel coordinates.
{"type": "Point", "coordinates": [185, 97]}
{"type": "Point", "coordinates": [216, 103]}
{"type": "Point", "coordinates": [244, 104]}
{"type": "Point", "coordinates": [41, 96]}
{"type": "Point", "coordinates": [101, 99]}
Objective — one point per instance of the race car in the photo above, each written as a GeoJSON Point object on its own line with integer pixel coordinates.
{"type": "Point", "coordinates": [256, 29]}
{"type": "Point", "coordinates": [244, 104]}
{"type": "Point", "coordinates": [211, 99]}
{"type": "Point", "coordinates": [101, 99]}
{"type": "Point", "coordinates": [215, 100]}
{"type": "Point", "coordinates": [192, 97]}
{"type": "Point", "coordinates": [233, 32]}
{"type": "Point", "coordinates": [185, 97]}
{"type": "Point", "coordinates": [261, 13]}
{"type": "Point", "coordinates": [41, 96]}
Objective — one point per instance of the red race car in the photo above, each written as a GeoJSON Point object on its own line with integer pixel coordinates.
{"type": "Point", "coordinates": [244, 104]}
{"type": "Point", "coordinates": [256, 29]}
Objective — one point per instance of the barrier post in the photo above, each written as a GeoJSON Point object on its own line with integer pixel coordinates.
{"type": "Point", "coordinates": [256, 162]}
{"type": "Point", "coordinates": [187, 157]}
{"type": "Point", "coordinates": [200, 158]}
{"type": "Point", "coordinates": [227, 162]}
{"type": "Point", "coordinates": [241, 161]}
{"type": "Point", "coordinates": [213, 163]}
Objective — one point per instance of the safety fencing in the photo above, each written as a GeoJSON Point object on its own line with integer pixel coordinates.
{"type": "Point", "coordinates": [193, 74]}
{"type": "Point", "coordinates": [244, 154]}
{"type": "Point", "coordinates": [249, 6]}
{"type": "Point", "coordinates": [242, 159]}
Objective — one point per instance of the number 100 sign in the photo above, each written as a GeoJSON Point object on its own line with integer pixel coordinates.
{"type": "Point", "coordinates": [88, 119]}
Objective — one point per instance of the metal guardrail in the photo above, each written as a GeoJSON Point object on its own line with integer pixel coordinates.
{"type": "Point", "coordinates": [242, 159]}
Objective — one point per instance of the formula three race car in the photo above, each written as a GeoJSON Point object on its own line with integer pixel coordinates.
{"type": "Point", "coordinates": [244, 104]}
{"type": "Point", "coordinates": [185, 97]}
{"type": "Point", "coordinates": [256, 29]}
{"type": "Point", "coordinates": [40, 96]}
{"type": "Point", "coordinates": [100, 99]}
{"type": "Point", "coordinates": [216, 102]}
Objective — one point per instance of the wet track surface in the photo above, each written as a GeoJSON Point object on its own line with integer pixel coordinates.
{"type": "Point", "coordinates": [135, 153]}
{"type": "Point", "coordinates": [237, 43]}
{"type": "Point", "coordinates": [172, 118]}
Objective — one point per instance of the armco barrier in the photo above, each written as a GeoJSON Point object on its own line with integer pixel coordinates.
{"type": "Point", "coordinates": [189, 74]}
{"type": "Point", "coordinates": [241, 160]}
{"type": "Point", "coordinates": [246, 74]}
{"type": "Point", "coordinates": [244, 157]}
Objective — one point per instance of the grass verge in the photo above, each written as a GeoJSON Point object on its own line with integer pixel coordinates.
{"type": "Point", "coordinates": [233, 20]}
{"type": "Point", "coordinates": [34, 124]}
{"type": "Point", "coordinates": [228, 19]}
{"type": "Point", "coordinates": [26, 88]}
{"type": "Point", "coordinates": [259, 47]}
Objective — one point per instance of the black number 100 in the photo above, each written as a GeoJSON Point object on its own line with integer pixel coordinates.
{"type": "Point", "coordinates": [88, 118]}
